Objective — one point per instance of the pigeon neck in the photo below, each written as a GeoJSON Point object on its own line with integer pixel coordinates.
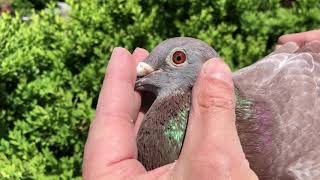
{"type": "Point", "coordinates": [162, 131]}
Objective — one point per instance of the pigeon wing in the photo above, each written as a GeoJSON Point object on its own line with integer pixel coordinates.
{"type": "Point", "coordinates": [285, 88]}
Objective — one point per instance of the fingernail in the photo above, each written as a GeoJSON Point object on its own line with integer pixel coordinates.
{"type": "Point", "coordinates": [217, 69]}
{"type": "Point", "coordinates": [119, 51]}
{"type": "Point", "coordinates": [137, 49]}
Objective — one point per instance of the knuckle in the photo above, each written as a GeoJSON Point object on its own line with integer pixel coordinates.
{"type": "Point", "coordinates": [215, 95]}
{"type": "Point", "coordinates": [213, 102]}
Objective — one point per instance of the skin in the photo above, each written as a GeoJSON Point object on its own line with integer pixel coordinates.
{"type": "Point", "coordinates": [211, 148]}
{"type": "Point", "coordinates": [300, 38]}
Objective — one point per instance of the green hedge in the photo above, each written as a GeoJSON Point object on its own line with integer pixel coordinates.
{"type": "Point", "coordinates": [51, 67]}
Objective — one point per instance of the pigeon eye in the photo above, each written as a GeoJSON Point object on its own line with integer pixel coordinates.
{"type": "Point", "coordinates": [179, 57]}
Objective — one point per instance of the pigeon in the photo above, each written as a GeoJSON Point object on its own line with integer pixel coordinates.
{"type": "Point", "coordinates": [277, 106]}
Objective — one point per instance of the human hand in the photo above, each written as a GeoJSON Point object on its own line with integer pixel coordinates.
{"type": "Point", "coordinates": [211, 149]}
{"type": "Point", "coordinates": [300, 38]}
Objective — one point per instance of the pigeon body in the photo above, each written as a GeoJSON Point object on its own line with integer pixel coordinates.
{"type": "Point", "coordinates": [276, 109]}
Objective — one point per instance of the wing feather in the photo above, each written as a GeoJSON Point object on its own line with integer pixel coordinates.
{"type": "Point", "coordinates": [288, 81]}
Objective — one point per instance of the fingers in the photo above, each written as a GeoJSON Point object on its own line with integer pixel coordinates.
{"type": "Point", "coordinates": [300, 38]}
{"type": "Point", "coordinates": [212, 147]}
{"type": "Point", "coordinates": [111, 136]}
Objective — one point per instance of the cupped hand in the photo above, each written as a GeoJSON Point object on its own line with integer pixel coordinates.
{"type": "Point", "coordinates": [211, 148]}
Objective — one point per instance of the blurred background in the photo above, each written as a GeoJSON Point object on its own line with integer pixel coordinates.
{"type": "Point", "coordinates": [53, 57]}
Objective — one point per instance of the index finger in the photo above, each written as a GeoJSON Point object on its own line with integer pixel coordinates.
{"type": "Point", "coordinates": [111, 135]}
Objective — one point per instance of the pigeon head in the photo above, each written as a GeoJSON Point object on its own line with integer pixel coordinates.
{"type": "Point", "coordinates": [173, 65]}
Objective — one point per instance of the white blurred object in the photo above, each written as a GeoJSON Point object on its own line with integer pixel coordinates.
{"type": "Point", "coordinates": [26, 18]}
{"type": "Point", "coordinates": [64, 8]}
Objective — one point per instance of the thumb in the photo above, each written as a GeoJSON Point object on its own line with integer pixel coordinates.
{"type": "Point", "coordinates": [212, 147]}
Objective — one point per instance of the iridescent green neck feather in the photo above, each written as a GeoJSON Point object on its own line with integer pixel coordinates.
{"type": "Point", "coordinates": [176, 126]}
{"type": "Point", "coordinates": [161, 135]}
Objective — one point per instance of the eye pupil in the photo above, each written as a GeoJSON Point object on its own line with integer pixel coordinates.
{"type": "Point", "coordinates": [179, 57]}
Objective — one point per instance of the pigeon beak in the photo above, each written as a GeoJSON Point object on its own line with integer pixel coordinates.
{"type": "Point", "coordinates": [144, 69]}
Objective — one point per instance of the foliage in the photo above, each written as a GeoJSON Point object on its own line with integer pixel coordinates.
{"type": "Point", "coordinates": [51, 67]}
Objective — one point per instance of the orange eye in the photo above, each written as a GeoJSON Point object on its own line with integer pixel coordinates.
{"type": "Point", "coordinates": [179, 57]}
